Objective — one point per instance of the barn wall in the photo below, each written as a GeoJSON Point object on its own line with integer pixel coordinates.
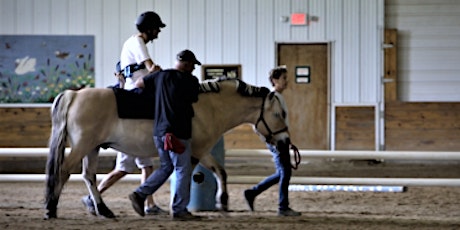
{"type": "Point", "coordinates": [428, 48]}
{"type": "Point", "coordinates": [409, 126]}
{"type": "Point", "coordinates": [245, 32]}
{"type": "Point", "coordinates": [24, 127]}
{"type": "Point", "coordinates": [219, 32]}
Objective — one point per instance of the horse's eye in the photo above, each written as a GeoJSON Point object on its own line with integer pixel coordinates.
{"type": "Point", "coordinates": [284, 114]}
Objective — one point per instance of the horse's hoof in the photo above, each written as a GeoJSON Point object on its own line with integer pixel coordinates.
{"type": "Point", "coordinates": [223, 204]}
{"type": "Point", "coordinates": [104, 211]}
{"type": "Point", "coordinates": [108, 215]}
{"type": "Point", "coordinates": [221, 207]}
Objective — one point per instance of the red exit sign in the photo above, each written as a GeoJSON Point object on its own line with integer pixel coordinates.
{"type": "Point", "coordinates": [298, 19]}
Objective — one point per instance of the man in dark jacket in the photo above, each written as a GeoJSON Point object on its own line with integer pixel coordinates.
{"type": "Point", "coordinates": [175, 91]}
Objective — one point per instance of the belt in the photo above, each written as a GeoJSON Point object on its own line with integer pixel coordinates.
{"type": "Point", "coordinates": [129, 70]}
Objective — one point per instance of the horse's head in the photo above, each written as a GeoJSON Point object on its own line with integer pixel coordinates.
{"type": "Point", "coordinates": [271, 126]}
{"type": "Point", "coordinates": [269, 122]}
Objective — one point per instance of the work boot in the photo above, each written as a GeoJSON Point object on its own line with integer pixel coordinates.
{"type": "Point", "coordinates": [184, 216]}
{"type": "Point", "coordinates": [249, 195]}
{"type": "Point", "coordinates": [138, 203]}
{"type": "Point", "coordinates": [288, 212]}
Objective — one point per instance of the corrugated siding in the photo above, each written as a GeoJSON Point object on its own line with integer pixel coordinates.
{"type": "Point", "coordinates": [370, 43]}
{"type": "Point", "coordinates": [317, 31]}
{"type": "Point", "coordinates": [351, 50]}
{"type": "Point", "coordinates": [428, 48]}
{"type": "Point", "coordinates": [230, 39]}
{"type": "Point", "coordinates": [220, 32]}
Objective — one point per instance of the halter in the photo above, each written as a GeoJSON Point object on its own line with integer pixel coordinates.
{"type": "Point", "coordinates": [271, 134]}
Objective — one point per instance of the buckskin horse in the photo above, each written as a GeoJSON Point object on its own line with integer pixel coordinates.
{"type": "Point", "coordinates": [92, 118]}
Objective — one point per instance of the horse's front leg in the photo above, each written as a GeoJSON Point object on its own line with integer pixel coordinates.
{"type": "Point", "coordinates": [220, 174]}
{"type": "Point", "coordinates": [89, 170]}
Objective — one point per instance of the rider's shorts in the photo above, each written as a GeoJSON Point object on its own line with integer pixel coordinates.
{"type": "Point", "coordinates": [128, 163]}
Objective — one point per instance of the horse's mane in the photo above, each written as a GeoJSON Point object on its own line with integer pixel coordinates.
{"type": "Point", "coordinates": [213, 85]}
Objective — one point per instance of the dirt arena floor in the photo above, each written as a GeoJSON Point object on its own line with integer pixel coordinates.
{"type": "Point", "coordinates": [418, 208]}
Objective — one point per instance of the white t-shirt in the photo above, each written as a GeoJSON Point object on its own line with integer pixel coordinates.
{"type": "Point", "coordinates": [134, 51]}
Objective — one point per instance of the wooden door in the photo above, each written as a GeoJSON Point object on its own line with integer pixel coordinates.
{"type": "Point", "coordinates": [307, 102]}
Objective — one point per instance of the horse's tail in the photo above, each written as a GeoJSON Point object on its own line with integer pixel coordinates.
{"type": "Point", "coordinates": [57, 144]}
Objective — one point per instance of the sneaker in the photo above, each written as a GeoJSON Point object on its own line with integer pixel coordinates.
{"type": "Point", "coordinates": [288, 212]}
{"type": "Point", "coordinates": [155, 210]}
{"type": "Point", "coordinates": [248, 194]}
{"type": "Point", "coordinates": [184, 216]}
{"type": "Point", "coordinates": [138, 203]}
{"type": "Point", "coordinates": [88, 203]}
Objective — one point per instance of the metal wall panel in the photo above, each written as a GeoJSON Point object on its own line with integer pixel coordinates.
{"type": "Point", "coordinates": [110, 33]}
{"type": "Point", "coordinates": [178, 27]}
{"type": "Point", "coordinates": [24, 16]}
{"type": "Point", "coordinates": [214, 31]}
{"type": "Point", "coordinates": [220, 32]}
{"type": "Point", "coordinates": [334, 33]}
{"type": "Point", "coordinates": [7, 17]}
{"type": "Point", "coordinates": [317, 29]}
{"type": "Point", "coordinates": [77, 16]}
{"type": "Point", "coordinates": [41, 17]}
{"type": "Point", "coordinates": [125, 22]}
{"type": "Point", "coordinates": [59, 17]}
{"type": "Point", "coordinates": [197, 38]}
{"type": "Point", "coordinates": [230, 27]}
{"type": "Point", "coordinates": [94, 24]}
{"type": "Point", "coordinates": [369, 51]}
{"type": "Point", "coordinates": [248, 38]}
{"type": "Point", "coordinates": [281, 25]}
{"type": "Point", "coordinates": [428, 48]}
{"type": "Point", "coordinates": [265, 48]}
{"type": "Point", "coordinates": [351, 51]}
{"type": "Point", "coordinates": [162, 47]}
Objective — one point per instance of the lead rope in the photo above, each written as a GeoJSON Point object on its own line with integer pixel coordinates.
{"type": "Point", "coordinates": [297, 157]}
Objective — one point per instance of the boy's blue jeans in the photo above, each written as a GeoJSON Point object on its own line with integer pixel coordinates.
{"type": "Point", "coordinates": [282, 176]}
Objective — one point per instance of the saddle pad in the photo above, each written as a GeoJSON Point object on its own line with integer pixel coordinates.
{"type": "Point", "coordinates": [134, 104]}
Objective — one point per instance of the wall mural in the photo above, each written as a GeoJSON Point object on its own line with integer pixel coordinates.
{"type": "Point", "coordinates": [36, 68]}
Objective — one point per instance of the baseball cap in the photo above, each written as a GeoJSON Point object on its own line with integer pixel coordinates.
{"type": "Point", "coordinates": [187, 55]}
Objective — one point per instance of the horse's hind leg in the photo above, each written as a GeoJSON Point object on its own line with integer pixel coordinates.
{"type": "Point", "coordinates": [220, 174]}
{"type": "Point", "coordinates": [89, 170]}
{"type": "Point", "coordinates": [53, 199]}
{"type": "Point", "coordinates": [69, 163]}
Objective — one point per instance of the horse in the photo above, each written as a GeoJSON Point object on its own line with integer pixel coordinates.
{"type": "Point", "coordinates": [87, 120]}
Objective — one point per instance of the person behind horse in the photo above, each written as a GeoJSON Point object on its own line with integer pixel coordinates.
{"type": "Point", "coordinates": [135, 63]}
{"type": "Point", "coordinates": [278, 79]}
{"type": "Point", "coordinates": [175, 91]}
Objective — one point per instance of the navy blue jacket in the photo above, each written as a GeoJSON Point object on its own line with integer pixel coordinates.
{"type": "Point", "coordinates": [174, 91]}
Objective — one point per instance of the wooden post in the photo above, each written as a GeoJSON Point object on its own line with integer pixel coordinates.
{"type": "Point", "coordinates": [390, 65]}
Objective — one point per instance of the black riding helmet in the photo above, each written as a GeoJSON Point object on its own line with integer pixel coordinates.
{"type": "Point", "coordinates": [149, 20]}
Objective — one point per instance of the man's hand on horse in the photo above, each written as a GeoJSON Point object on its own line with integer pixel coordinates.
{"type": "Point", "coordinates": [157, 68]}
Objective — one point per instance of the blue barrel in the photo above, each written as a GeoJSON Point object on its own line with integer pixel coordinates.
{"type": "Point", "coordinates": [204, 186]}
